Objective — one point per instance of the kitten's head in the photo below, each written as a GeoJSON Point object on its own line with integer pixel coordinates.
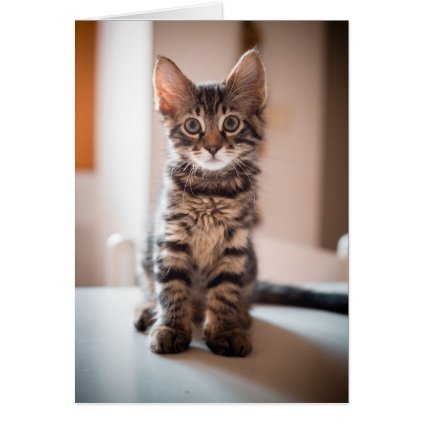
{"type": "Point", "coordinates": [213, 126]}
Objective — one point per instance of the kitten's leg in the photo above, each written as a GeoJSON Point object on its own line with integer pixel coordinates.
{"type": "Point", "coordinates": [145, 316]}
{"type": "Point", "coordinates": [245, 319]}
{"type": "Point", "coordinates": [224, 328]}
{"type": "Point", "coordinates": [172, 331]}
{"type": "Point", "coordinates": [145, 312]}
{"type": "Point", "coordinates": [227, 317]}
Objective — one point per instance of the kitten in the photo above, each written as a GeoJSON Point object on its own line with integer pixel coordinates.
{"type": "Point", "coordinates": [200, 257]}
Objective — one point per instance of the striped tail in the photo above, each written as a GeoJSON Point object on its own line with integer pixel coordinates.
{"type": "Point", "coordinates": [299, 296]}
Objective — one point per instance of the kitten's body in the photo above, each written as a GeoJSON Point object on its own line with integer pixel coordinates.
{"type": "Point", "coordinates": [207, 233]}
{"type": "Point", "coordinates": [200, 257]}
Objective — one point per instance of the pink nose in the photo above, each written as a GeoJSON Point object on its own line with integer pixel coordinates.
{"type": "Point", "coordinates": [213, 149]}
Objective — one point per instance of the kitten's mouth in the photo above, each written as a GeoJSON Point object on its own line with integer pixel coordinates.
{"type": "Point", "coordinates": [212, 163]}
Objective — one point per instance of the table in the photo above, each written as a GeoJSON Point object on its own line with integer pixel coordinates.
{"type": "Point", "coordinates": [299, 355]}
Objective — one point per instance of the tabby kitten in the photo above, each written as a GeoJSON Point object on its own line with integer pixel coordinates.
{"type": "Point", "coordinates": [200, 255]}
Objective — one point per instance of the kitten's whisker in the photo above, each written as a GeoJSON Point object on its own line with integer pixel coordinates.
{"type": "Point", "coordinates": [187, 178]}
{"type": "Point", "coordinates": [234, 168]}
{"type": "Point", "coordinates": [193, 171]}
{"type": "Point", "coordinates": [240, 164]}
{"type": "Point", "coordinates": [176, 167]}
{"type": "Point", "coordinates": [244, 165]}
{"type": "Point", "coordinates": [289, 161]}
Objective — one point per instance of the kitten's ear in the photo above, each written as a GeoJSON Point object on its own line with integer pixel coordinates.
{"type": "Point", "coordinates": [246, 83]}
{"type": "Point", "coordinates": [173, 90]}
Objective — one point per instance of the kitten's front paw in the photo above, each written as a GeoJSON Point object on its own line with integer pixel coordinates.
{"type": "Point", "coordinates": [144, 316]}
{"type": "Point", "coordinates": [169, 340]}
{"type": "Point", "coordinates": [232, 343]}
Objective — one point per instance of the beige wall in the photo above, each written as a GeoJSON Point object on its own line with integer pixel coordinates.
{"type": "Point", "coordinates": [112, 198]}
{"type": "Point", "coordinates": [293, 53]}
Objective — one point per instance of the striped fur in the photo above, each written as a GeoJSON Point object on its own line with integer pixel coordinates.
{"type": "Point", "coordinates": [301, 296]}
{"type": "Point", "coordinates": [200, 257]}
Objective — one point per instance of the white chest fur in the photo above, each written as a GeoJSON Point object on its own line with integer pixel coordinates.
{"type": "Point", "coordinates": [209, 216]}
{"type": "Point", "coordinates": [206, 244]}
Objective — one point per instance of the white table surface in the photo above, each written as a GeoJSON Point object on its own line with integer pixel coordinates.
{"type": "Point", "coordinates": [299, 355]}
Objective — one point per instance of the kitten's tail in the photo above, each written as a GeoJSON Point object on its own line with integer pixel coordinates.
{"type": "Point", "coordinates": [299, 296]}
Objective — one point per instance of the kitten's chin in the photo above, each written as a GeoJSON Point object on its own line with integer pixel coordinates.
{"type": "Point", "coordinates": [212, 164]}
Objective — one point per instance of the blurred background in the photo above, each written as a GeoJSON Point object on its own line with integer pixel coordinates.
{"type": "Point", "coordinates": [120, 146]}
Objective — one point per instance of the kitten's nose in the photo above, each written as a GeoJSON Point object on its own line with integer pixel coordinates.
{"type": "Point", "coordinates": [213, 149]}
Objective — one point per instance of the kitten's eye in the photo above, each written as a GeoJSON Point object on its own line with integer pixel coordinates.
{"type": "Point", "coordinates": [192, 126]}
{"type": "Point", "coordinates": [231, 123]}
